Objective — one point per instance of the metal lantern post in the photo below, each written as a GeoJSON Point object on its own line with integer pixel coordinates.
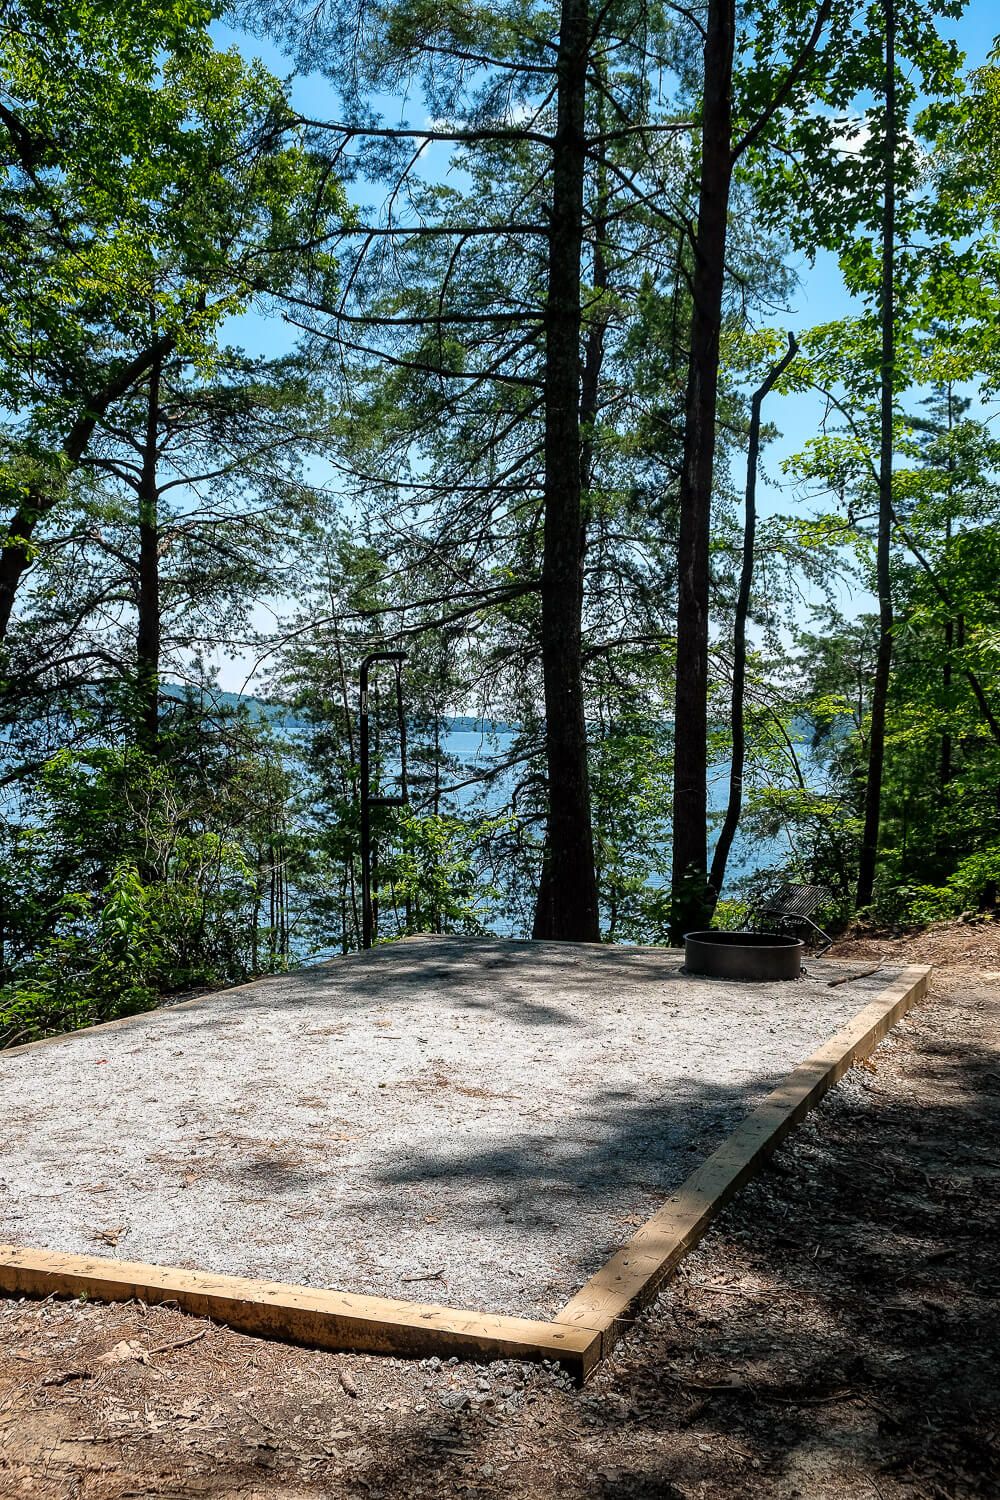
{"type": "Point", "coordinates": [367, 800]}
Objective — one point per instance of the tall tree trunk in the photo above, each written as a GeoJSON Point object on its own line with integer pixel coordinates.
{"type": "Point", "coordinates": [734, 806]}
{"type": "Point", "coordinates": [596, 339]}
{"type": "Point", "coordinates": [883, 660]}
{"type": "Point", "coordinates": [949, 630]}
{"type": "Point", "coordinates": [567, 897]}
{"type": "Point", "coordinates": [691, 901]}
{"type": "Point", "coordinates": [945, 769]}
{"type": "Point", "coordinates": [148, 630]}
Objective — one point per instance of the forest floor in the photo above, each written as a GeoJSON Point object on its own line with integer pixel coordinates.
{"type": "Point", "coordinates": [834, 1337]}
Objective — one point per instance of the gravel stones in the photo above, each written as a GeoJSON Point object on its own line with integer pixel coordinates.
{"type": "Point", "coordinates": [474, 1122]}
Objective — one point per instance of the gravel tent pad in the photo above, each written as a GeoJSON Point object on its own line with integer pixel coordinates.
{"type": "Point", "coordinates": [480, 1122]}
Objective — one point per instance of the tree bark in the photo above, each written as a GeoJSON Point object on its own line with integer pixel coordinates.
{"type": "Point", "coordinates": [883, 569]}
{"type": "Point", "coordinates": [567, 897]}
{"type": "Point", "coordinates": [148, 629]}
{"type": "Point", "coordinates": [945, 768]}
{"type": "Point", "coordinates": [945, 771]}
{"type": "Point", "coordinates": [734, 805]}
{"type": "Point", "coordinates": [691, 899]}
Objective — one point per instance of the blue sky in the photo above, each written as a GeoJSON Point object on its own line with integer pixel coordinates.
{"type": "Point", "coordinates": [819, 297]}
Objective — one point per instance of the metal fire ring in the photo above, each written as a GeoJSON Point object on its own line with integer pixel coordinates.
{"type": "Point", "coordinates": [743, 955]}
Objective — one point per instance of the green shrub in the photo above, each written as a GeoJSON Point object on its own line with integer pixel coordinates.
{"type": "Point", "coordinates": [971, 887]}
{"type": "Point", "coordinates": [97, 963]}
{"type": "Point", "coordinates": [731, 915]}
{"type": "Point", "coordinates": [977, 878]}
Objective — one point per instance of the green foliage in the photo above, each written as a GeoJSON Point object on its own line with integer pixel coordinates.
{"type": "Point", "coordinates": [434, 882]}
{"type": "Point", "coordinates": [93, 963]}
{"type": "Point", "coordinates": [732, 914]}
{"type": "Point", "coordinates": [151, 189]}
{"type": "Point", "coordinates": [154, 188]}
{"type": "Point", "coordinates": [971, 888]}
{"type": "Point", "coordinates": [127, 878]}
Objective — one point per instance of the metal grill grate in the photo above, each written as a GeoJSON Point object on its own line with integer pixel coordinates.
{"type": "Point", "coordinates": [794, 905]}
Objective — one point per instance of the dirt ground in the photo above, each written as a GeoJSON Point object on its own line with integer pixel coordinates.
{"type": "Point", "coordinates": [836, 1336]}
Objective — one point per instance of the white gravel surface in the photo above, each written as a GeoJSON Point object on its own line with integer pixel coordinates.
{"type": "Point", "coordinates": [476, 1122]}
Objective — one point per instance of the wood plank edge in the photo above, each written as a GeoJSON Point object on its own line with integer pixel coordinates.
{"type": "Point", "coordinates": [310, 1316]}
{"type": "Point", "coordinates": [739, 1157]}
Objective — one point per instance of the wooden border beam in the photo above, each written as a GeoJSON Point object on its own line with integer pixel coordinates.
{"type": "Point", "coordinates": [301, 1314]}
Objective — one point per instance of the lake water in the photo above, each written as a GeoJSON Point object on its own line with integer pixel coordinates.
{"type": "Point", "coordinates": [479, 744]}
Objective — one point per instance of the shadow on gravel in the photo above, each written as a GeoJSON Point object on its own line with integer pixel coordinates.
{"type": "Point", "coordinates": [504, 965]}
{"type": "Point", "coordinates": [838, 1339]}
{"type": "Point", "coordinates": [620, 1144]}
{"type": "Point", "coordinates": [855, 1351]}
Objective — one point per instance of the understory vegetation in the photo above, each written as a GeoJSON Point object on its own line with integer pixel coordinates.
{"type": "Point", "coordinates": [476, 340]}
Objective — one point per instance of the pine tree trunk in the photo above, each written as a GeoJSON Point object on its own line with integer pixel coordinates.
{"type": "Point", "coordinates": [883, 660]}
{"type": "Point", "coordinates": [945, 772]}
{"type": "Point", "coordinates": [945, 769]}
{"type": "Point", "coordinates": [691, 901]}
{"type": "Point", "coordinates": [148, 628]}
{"type": "Point", "coordinates": [567, 898]}
{"type": "Point", "coordinates": [734, 806]}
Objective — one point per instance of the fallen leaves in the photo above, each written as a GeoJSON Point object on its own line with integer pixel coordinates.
{"type": "Point", "coordinates": [131, 1349]}
{"type": "Point", "coordinates": [109, 1236]}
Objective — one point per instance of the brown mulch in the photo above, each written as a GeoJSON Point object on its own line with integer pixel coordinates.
{"type": "Point", "coordinates": [952, 946]}
{"type": "Point", "coordinates": [835, 1337]}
